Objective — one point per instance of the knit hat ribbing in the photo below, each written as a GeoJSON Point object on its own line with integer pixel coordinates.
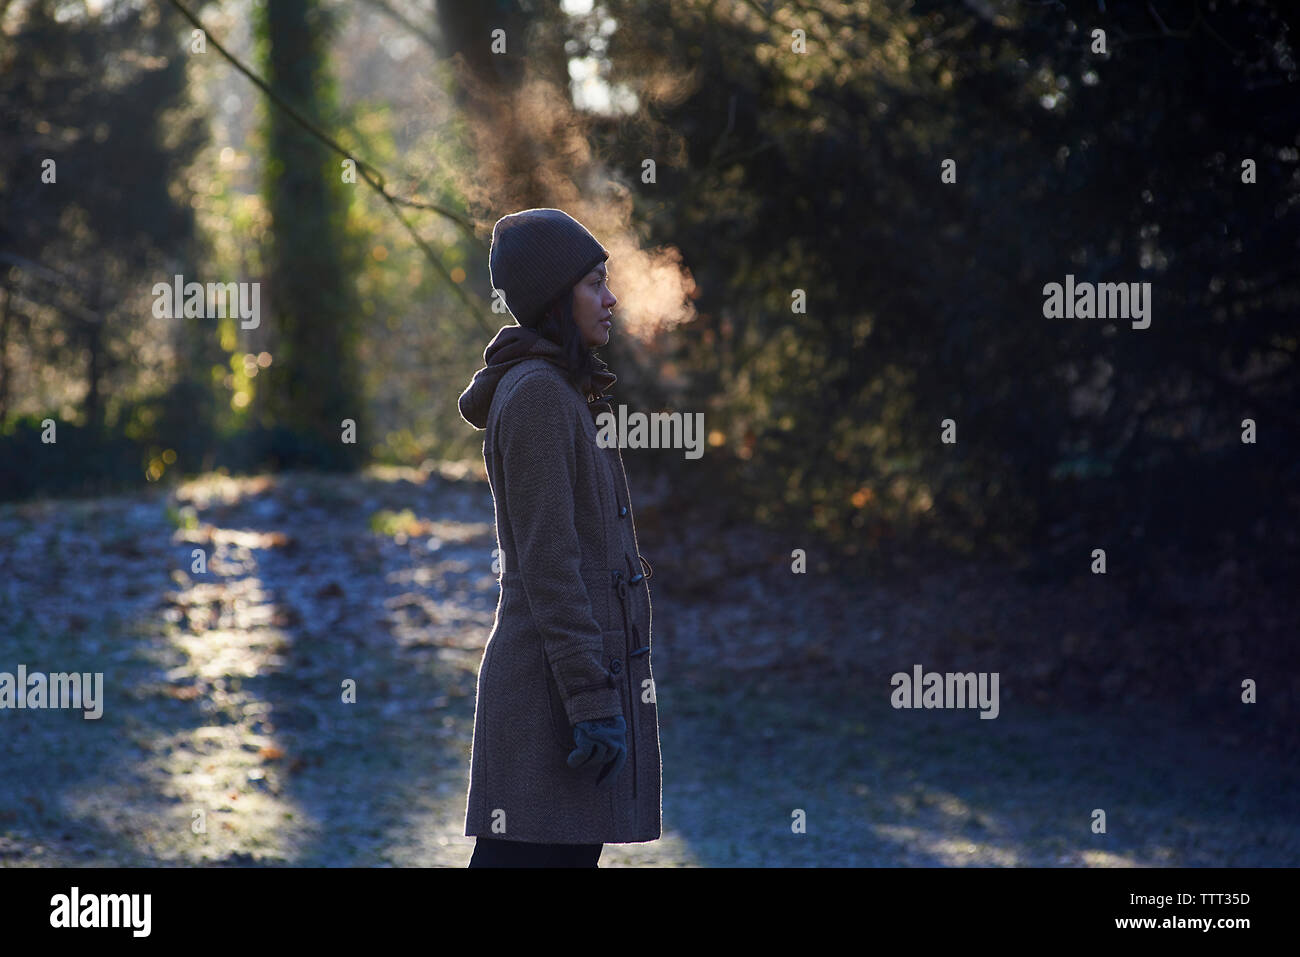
{"type": "Point", "coordinates": [537, 254]}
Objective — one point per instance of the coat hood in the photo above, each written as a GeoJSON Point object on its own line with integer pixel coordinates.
{"type": "Point", "coordinates": [512, 345]}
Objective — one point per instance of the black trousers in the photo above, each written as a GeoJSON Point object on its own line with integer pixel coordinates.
{"type": "Point", "coordinates": [496, 852]}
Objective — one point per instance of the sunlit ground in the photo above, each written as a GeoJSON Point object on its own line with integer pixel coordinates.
{"type": "Point", "coordinates": [226, 737]}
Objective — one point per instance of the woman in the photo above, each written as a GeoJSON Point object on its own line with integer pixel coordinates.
{"type": "Point", "coordinates": [565, 754]}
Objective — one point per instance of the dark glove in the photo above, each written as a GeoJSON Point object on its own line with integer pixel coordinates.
{"type": "Point", "coordinates": [605, 741]}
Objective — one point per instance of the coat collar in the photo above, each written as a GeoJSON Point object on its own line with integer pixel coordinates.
{"type": "Point", "coordinates": [511, 346]}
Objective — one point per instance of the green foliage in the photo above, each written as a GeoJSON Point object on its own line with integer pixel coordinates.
{"type": "Point", "coordinates": [389, 523]}
{"type": "Point", "coordinates": [184, 518]}
{"type": "Point", "coordinates": [314, 383]}
{"type": "Point", "coordinates": [778, 171]}
{"type": "Point", "coordinates": [820, 171]}
{"type": "Point", "coordinates": [104, 99]}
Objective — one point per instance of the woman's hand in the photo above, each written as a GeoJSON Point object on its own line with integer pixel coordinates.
{"type": "Point", "coordinates": [602, 739]}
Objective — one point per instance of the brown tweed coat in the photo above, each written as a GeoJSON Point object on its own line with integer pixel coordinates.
{"type": "Point", "coordinates": [571, 640]}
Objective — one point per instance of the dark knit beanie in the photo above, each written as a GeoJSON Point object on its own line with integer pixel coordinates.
{"type": "Point", "coordinates": [537, 254]}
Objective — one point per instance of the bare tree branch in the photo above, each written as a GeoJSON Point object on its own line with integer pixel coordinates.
{"type": "Point", "coordinates": [373, 178]}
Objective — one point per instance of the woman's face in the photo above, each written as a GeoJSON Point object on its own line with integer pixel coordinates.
{"type": "Point", "coordinates": [592, 302]}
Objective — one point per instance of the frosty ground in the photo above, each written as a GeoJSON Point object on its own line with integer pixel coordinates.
{"type": "Point", "coordinates": [224, 738]}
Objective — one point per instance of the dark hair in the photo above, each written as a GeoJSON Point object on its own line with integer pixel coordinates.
{"type": "Point", "coordinates": [557, 325]}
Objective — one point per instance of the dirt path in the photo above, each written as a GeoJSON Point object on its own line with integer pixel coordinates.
{"type": "Point", "coordinates": [225, 737]}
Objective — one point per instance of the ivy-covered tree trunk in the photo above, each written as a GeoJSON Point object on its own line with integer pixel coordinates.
{"type": "Point", "coordinates": [314, 381]}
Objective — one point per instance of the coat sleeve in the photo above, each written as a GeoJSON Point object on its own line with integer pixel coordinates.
{"type": "Point", "coordinates": [537, 436]}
